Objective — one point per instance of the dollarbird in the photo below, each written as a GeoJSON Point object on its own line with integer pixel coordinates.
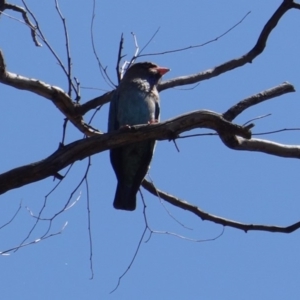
{"type": "Point", "coordinates": [135, 101]}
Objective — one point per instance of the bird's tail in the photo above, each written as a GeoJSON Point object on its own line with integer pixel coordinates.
{"type": "Point", "coordinates": [124, 198]}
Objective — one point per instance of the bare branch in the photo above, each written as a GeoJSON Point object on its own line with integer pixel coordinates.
{"type": "Point", "coordinates": [296, 5]}
{"type": "Point", "coordinates": [237, 62]}
{"type": "Point", "coordinates": [137, 49]}
{"type": "Point", "coordinates": [212, 218]}
{"type": "Point", "coordinates": [136, 250]}
{"type": "Point", "coordinates": [13, 217]}
{"type": "Point", "coordinates": [69, 72]}
{"type": "Point", "coordinates": [119, 58]}
{"type": "Point", "coordinates": [276, 131]}
{"type": "Point", "coordinates": [59, 98]}
{"type": "Point", "coordinates": [276, 91]}
{"type": "Point", "coordinates": [94, 103]}
{"type": "Point", "coordinates": [186, 238]}
{"type": "Point", "coordinates": [81, 149]}
{"type": "Point", "coordinates": [193, 46]}
{"type": "Point", "coordinates": [64, 131]}
{"type": "Point", "coordinates": [264, 146]}
{"type": "Point", "coordinates": [150, 40]}
{"type": "Point", "coordinates": [89, 218]}
{"type": "Point", "coordinates": [39, 216]}
{"type": "Point", "coordinates": [166, 209]}
{"type": "Point", "coordinates": [77, 91]}
{"type": "Point", "coordinates": [43, 38]}
{"type": "Point", "coordinates": [25, 18]}
{"type": "Point", "coordinates": [6, 252]}
{"type": "Point", "coordinates": [257, 118]}
{"type": "Point", "coordinates": [101, 67]}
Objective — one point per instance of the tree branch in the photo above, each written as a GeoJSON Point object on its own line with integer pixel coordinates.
{"type": "Point", "coordinates": [81, 149]}
{"type": "Point", "coordinates": [74, 112]}
{"type": "Point", "coordinates": [264, 146]}
{"type": "Point", "coordinates": [237, 62]}
{"type": "Point", "coordinates": [4, 5]}
{"type": "Point", "coordinates": [59, 98]}
{"type": "Point", "coordinates": [94, 103]}
{"type": "Point", "coordinates": [209, 217]}
{"type": "Point", "coordinates": [276, 91]}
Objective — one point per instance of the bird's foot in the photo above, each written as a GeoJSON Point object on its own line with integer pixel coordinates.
{"type": "Point", "coordinates": [153, 121]}
{"type": "Point", "coordinates": [125, 127]}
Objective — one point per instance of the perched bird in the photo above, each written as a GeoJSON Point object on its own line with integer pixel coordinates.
{"type": "Point", "coordinates": [135, 101]}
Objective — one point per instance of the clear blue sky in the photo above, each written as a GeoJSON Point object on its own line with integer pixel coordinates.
{"type": "Point", "coordinates": [246, 187]}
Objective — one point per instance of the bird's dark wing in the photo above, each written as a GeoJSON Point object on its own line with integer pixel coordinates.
{"type": "Point", "coordinates": [116, 161]}
{"type": "Point", "coordinates": [143, 152]}
{"type": "Point", "coordinates": [131, 164]}
{"type": "Point", "coordinates": [113, 123]}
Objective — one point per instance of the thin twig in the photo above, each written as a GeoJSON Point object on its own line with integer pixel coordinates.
{"type": "Point", "coordinates": [64, 131]}
{"type": "Point", "coordinates": [189, 239]}
{"type": "Point", "coordinates": [196, 135]}
{"type": "Point", "coordinates": [257, 118]}
{"type": "Point", "coordinates": [277, 131]}
{"type": "Point", "coordinates": [42, 36]}
{"type": "Point", "coordinates": [200, 45]}
{"type": "Point", "coordinates": [69, 58]}
{"type": "Point", "coordinates": [236, 62]}
{"type": "Point", "coordinates": [135, 253]}
{"type": "Point", "coordinates": [78, 97]}
{"type": "Point", "coordinates": [176, 146]}
{"type": "Point", "coordinates": [6, 252]}
{"type": "Point", "coordinates": [89, 221]}
{"type": "Point", "coordinates": [150, 40]}
{"type": "Point", "coordinates": [26, 20]}
{"type": "Point", "coordinates": [137, 48]}
{"type": "Point", "coordinates": [13, 217]}
{"type": "Point", "coordinates": [167, 210]}
{"type": "Point", "coordinates": [101, 68]}
{"type": "Point", "coordinates": [119, 58]}
{"type": "Point", "coordinates": [38, 218]}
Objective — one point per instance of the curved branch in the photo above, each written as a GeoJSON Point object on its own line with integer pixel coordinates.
{"type": "Point", "coordinates": [69, 59]}
{"type": "Point", "coordinates": [81, 149]}
{"type": "Point", "coordinates": [237, 62]}
{"type": "Point", "coordinates": [209, 217]}
{"type": "Point", "coordinates": [264, 146]}
{"type": "Point", "coordinates": [297, 5]}
{"type": "Point", "coordinates": [60, 99]}
{"type": "Point", "coordinates": [276, 91]}
{"type": "Point", "coordinates": [4, 5]}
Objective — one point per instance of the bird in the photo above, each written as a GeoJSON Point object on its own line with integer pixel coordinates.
{"type": "Point", "coordinates": [134, 101]}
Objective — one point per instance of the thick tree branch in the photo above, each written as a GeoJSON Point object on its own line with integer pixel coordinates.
{"type": "Point", "coordinates": [237, 62]}
{"type": "Point", "coordinates": [276, 91]}
{"type": "Point", "coordinates": [81, 149]}
{"type": "Point", "coordinates": [209, 217]}
{"type": "Point", "coordinates": [296, 5]}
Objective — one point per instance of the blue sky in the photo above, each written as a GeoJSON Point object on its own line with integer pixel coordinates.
{"type": "Point", "coordinates": [242, 186]}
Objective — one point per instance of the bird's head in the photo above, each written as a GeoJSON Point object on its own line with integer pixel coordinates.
{"type": "Point", "coordinates": [146, 71]}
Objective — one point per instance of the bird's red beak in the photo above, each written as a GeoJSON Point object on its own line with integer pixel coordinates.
{"type": "Point", "coordinates": [162, 70]}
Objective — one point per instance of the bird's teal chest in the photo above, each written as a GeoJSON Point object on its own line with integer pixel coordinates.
{"type": "Point", "coordinates": [139, 109]}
